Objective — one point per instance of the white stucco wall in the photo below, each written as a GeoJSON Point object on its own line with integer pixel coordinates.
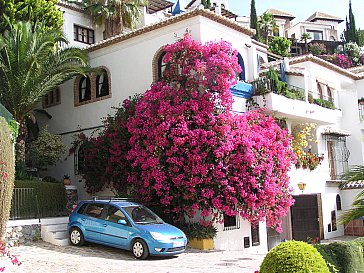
{"type": "Point", "coordinates": [71, 18]}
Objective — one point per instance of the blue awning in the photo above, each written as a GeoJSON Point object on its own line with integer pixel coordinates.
{"type": "Point", "coordinates": [242, 89]}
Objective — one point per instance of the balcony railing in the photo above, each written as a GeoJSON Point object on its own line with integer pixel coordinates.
{"type": "Point", "coordinates": [264, 86]}
{"type": "Point", "coordinates": [320, 99]}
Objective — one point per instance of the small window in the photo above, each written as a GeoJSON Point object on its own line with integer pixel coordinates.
{"type": "Point", "coordinates": [102, 84]}
{"type": "Point", "coordinates": [333, 221]}
{"type": "Point", "coordinates": [83, 35]}
{"type": "Point", "coordinates": [329, 95]}
{"type": "Point", "coordinates": [84, 89]}
{"type": "Point", "coordinates": [161, 65]}
{"type": "Point", "coordinates": [231, 222]}
{"type": "Point", "coordinates": [319, 90]}
{"type": "Point", "coordinates": [80, 160]}
{"type": "Point", "coordinates": [94, 210]}
{"type": "Point", "coordinates": [52, 98]}
{"type": "Point", "coordinates": [255, 235]}
{"type": "Point", "coordinates": [338, 202]}
{"type": "Point", "coordinates": [114, 214]}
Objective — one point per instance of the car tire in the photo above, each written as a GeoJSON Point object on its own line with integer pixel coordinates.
{"type": "Point", "coordinates": [140, 249]}
{"type": "Point", "coordinates": [76, 237]}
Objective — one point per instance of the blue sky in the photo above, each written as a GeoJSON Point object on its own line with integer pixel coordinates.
{"type": "Point", "coordinates": [302, 9]}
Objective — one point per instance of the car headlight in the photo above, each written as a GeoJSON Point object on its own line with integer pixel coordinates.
{"type": "Point", "coordinates": [159, 237]}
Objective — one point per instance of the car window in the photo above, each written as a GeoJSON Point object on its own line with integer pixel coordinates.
{"type": "Point", "coordinates": [81, 210]}
{"type": "Point", "coordinates": [142, 215]}
{"type": "Point", "coordinates": [114, 214]}
{"type": "Point", "coordinates": [94, 210]}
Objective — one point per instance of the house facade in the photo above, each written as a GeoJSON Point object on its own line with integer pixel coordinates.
{"type": "Point", "coordinates": [130, 62]}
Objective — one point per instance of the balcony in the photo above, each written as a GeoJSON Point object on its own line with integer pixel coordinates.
{"type": "Point", "coordinates": [293, 102]}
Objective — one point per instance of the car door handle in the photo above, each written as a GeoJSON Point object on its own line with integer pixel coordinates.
{"type": "Point", "coordinates": [83, 219]}
{"type": "Point", "coordinates": [105, 225]}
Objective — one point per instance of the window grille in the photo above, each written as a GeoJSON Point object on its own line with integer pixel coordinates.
{"type": "Point", "coordinates": [338, 155]}
{"type": "Point", "coordinates": [231, 222]}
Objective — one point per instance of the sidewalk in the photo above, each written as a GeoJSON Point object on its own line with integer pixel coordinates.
{"type": "Point", "coordinates": [43, 257]}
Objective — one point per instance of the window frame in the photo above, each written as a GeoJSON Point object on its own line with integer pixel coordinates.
{"type": "Point", "coordinates": [231, 226]}
{"type": "Point", "coordinates": [55, 95]}
{"type": "Point", "coordinates": [85, 33]}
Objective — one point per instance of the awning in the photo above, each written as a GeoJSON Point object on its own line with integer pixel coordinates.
{"type": "Point", "coordinates": [352, 185]}
{"type": "Point", "coordinates": [329, 130]}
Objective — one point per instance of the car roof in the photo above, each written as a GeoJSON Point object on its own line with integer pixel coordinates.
{"type": "Point", "coordinates": [113, 202]}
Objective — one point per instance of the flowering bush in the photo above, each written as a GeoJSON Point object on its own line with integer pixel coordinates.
{"type": "Point", "coordinates": [317, 48]}
{"type": "Point", "coordinates": [352, 50]}
{"type": "Point", "coordinates": [302, 135]}
{"type": "Point", "coordinates": [4, 251]}
{"type": "Point", "coordinates": [182, 147]}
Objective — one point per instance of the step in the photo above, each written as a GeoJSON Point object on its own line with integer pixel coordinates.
{"type": "Point", "coordinates": [60, 242]}
{"type": "Point", "coordinates": [54, 221]}
{"type": "Point", "coordinates": [53, 228]}
{"type": "Point", "coordinates": [60, 234]}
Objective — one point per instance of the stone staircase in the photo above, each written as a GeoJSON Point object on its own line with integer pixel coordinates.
{"type": "Point", "coordinates": [54, 230]}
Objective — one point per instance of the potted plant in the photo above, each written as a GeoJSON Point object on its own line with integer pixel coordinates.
{"type": "Point", "coordinates": [66, 180]}
{"type": "Point", "coordinates": [200, 236]}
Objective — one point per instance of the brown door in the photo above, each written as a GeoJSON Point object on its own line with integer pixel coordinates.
{"type": "Point", "coordinates": [306, 217]}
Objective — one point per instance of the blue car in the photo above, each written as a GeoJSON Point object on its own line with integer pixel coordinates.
{"type": "Point", "coordinates": [126, 225]}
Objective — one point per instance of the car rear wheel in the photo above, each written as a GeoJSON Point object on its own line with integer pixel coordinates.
{"type": "Point", "coordinates": [140, 249]}
{"type": "Point", "coordinates": [76, 237]}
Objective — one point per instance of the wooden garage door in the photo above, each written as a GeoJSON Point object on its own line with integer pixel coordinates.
{"type": "Point", "coordinates": [306, 217]}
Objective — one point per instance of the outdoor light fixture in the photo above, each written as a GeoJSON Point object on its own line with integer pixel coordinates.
{"type": "Point", "coordinates": [301, 186]}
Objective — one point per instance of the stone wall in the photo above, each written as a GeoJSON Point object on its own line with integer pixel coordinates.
{"type": "Point", "coordinates": [21, 234]}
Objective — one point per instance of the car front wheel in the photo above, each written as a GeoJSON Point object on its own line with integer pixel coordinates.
{"type": "Point", "coordinates": [140, 249]}
{"type": "Point", "coordinates": [76, 237]}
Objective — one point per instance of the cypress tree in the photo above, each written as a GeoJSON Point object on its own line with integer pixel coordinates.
{"type": "Point", "coordinates": [351, 32]}
{"type": "Point", "coordinates": [254, 18]}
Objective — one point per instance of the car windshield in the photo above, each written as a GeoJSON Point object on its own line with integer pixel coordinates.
{"type": "Point", "coordinates": [142, 215]}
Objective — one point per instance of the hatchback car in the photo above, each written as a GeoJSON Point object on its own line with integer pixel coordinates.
{"type": "Point", "coordinates": [126, 225]}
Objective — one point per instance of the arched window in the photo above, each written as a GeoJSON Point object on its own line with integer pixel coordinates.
{"type": "Point", "coordinates": [102, 84]}
{"type": "Point", "coordinates": [241, 75]}
{"type": "Point", "coordinates": [338, 202]}
{"type": "Point", "coordinates": [161, 66]}
{"type": "Point", "coordinates": [80, 159]}
{"type": "Point", "coordinates": [84, 89]}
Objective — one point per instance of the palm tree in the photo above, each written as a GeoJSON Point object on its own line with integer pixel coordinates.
{"type": "Point", "coordinates": [267, 25]}
{"type": "Point", "coordinates": [304, 37]}
{"type": "Point", "coordinates": [356, 173]}
{"type": "Point", "coordinates": [31, 65]}
{"type": "Point", "coordinates": [115, 14]}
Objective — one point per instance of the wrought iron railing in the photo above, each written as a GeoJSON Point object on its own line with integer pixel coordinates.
{"type": "Point", "coordinates": [264, 86]}
{"type": "Point", "coordinates": [24, 204]}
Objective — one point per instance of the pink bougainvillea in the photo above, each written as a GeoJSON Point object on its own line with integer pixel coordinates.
{"type": "Point", "coordinates": [182, 147]}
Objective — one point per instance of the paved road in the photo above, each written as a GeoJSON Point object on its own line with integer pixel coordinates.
{"type": "Point", "coordinates": [41, 257]}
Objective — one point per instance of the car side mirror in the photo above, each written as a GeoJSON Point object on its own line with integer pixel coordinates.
{"type": "Point", "coordinates": [122, 221]}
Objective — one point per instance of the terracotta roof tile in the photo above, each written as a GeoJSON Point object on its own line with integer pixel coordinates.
{"type": "Point", "coordinates": [172, 20]}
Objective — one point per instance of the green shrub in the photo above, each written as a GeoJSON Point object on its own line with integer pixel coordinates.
{"type": "Point", "coordinates": [51, 197]}
{"type": "Point", "coordinates": [295, 257]}
{"type": "Point", "coordinates": [345, 257]}
{"type": "Point", "coordinates": [329, 256]}
{"type": "Point", "coordinates": [6, 174]}
{"type": "Point", "coordinates": [349, 256]}
{"type": "Point", "coordinates": [360, 241]}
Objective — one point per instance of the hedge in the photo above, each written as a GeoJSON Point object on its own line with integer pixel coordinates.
{"type": "Point", "coordinates": [51, 199]}
{"type": "Point", "coordinates": [344, 257]}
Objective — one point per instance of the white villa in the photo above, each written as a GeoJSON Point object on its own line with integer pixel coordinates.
{"type": "Point", "coordinates": [132, 61]}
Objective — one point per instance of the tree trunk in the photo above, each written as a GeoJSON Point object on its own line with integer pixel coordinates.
{"type": "Point", "coordinates": [20, 142]}
{"type": "Point", "coordinates": [112, 27]}
{"type": "Point", "coordinates": [7, 172]}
